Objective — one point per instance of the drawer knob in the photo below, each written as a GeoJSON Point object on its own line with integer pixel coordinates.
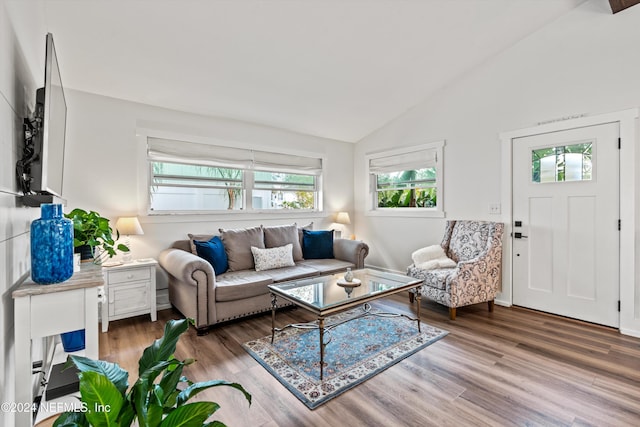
{"type": "Point", "coordinates": [129, 276]}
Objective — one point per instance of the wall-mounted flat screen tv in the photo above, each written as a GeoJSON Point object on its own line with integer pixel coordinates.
{"type": "Point", "coordinates": [43, 163]}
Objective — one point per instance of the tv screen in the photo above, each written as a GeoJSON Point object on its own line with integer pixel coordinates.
{"type": "Point", "coordinates": [41, 168]}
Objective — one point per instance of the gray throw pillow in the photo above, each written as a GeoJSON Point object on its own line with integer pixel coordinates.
{"type": "Point", "coordinates": [282, 235]}
{"type": "Point", "coordinates": [237, 245]}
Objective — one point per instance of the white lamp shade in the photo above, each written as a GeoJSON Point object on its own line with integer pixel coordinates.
{"type": "Point", "coordinates": [129, 226]}
{"type": "Point", "coordinates": [343, 218]}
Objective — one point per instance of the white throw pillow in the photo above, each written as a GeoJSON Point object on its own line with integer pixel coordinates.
{"type": "Point", "coordinates": [267, 259]}
{"type": "Point", "coordinates": [427, 254]}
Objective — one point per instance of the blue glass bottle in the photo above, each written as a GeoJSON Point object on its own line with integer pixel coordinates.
{"type": "Point", "coordinates": [51, 246]}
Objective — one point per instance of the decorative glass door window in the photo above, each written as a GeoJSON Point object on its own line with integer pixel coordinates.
{"type": "Point", "coordinates": [562, 163]}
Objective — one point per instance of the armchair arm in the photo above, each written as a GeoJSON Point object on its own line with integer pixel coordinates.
{"type": "Point", "coordinates": [353, 251]}
{"type": "Point", "coordinates": [191, 283]}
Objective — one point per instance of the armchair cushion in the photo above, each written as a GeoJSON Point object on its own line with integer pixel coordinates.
{"type": "Point", "coordinates": [468, 240]}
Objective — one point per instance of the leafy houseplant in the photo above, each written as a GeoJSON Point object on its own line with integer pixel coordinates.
{"type": "Point", "coordinates": [92, 230]}
{"type": "Point", "coordinates": [106, 401]}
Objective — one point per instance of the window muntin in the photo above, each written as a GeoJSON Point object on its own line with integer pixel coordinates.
{"type": "Point", "coordinates": [406, 181]}
{"type": "Point", "coordinates": [562, 163]}
{"type": "Point", "coordinates": [187, 187]}
{"type": "Point", "coordinates": [186, 177]}
{"type": "Point", "coordinates": [409, 189]}
{"type": "Point", "coordinates": [277, 190]}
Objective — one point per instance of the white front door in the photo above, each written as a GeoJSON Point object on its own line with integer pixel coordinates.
{"type": "Point", "coordinates": [566, 204]}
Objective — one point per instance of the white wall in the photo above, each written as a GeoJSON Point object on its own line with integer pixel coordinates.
{"type": "Point", "coordinates": [17, 97]}
{"type": "Point", "coordinates": [586, 62]}
{"type": "Point", "coordinates": [105, 166]}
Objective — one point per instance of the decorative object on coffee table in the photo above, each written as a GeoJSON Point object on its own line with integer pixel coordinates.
{"type": "Point", "coordinates": [361, 348]}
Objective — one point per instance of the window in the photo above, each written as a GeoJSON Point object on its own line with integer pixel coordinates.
{"type": "Point", "coordinates": [188, 177]}
{"type": "Point", "coordinates": [562, 163]}
{"type": "Point", "coordinates": [407, 181]}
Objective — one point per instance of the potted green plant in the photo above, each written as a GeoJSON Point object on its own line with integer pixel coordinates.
{"type": "Point", "coordinates": [149, 402]}
{"type": "Point", "coordinates": [91, 230]}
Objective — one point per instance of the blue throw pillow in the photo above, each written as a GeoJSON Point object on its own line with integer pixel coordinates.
{"type": "Point", "coordinates": [317, 244]}
{"type": "Point", "coordinates": [213, 251]}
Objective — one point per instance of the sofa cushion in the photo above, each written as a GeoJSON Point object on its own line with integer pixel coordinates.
{"type": "Point", "coordinates": [282, 235]}
{"type": "Point", "coordinates": [213, 251]}
{"type": "Point", "coordinates": [291, 273]}
{"type": "Point", "coordinates": [327, 266]}
{"type": "Point", "coordinates": [238, 285]}
{"type": "Point", "coordinates": [237, 244]}
{"type": "Point", "coordinates": [317, 244]}
{"type": "Point", "coordinates": [200, 238]}
{"type": "Point", "coordinates": [270, 258]}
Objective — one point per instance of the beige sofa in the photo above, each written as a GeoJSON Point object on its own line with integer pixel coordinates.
{"type": "Point", "coordinates": [197, 292]}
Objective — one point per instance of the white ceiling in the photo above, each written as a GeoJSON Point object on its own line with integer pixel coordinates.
{"type": "Point", "coordinates": [332, 68]}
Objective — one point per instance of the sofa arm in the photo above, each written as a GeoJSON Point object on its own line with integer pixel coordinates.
{"type": "Point", "coordinates": [353, 251]}
{"type": "Point", "coordinates": [191, 283]}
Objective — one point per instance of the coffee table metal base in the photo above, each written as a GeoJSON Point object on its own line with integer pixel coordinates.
{"type": "Point", "coordinates": [322, 328]}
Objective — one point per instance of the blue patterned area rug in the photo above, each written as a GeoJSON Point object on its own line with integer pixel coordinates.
{"type": "Point", "coordinates": [356, 351]}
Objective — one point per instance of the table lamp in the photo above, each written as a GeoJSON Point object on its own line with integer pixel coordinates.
{"type": "Point", "coordinates": [343, 219]}
{"type": "Point", "coordinates": [128, 226]}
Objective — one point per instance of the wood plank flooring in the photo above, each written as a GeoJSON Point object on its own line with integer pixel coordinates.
{"type": "Point", "coordinates": [512, 367]}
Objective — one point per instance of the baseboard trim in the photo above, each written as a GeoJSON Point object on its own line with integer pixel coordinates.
{"type": "Point", "coordinates": [630, 332]}
{"type": "Point", "coordinates": [502, 303]}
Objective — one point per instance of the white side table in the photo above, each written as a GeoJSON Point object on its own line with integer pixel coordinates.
{"type": "Point", "coordinates": [45, 310]}
{"type": "Point", "coordinates": [131, 290]}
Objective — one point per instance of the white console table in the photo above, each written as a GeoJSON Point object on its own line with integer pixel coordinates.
{"type": "Point", "coordinates": [46, 310]}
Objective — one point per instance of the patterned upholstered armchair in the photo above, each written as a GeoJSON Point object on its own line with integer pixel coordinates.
{"type": "Point", "coordinates": [476, 247]}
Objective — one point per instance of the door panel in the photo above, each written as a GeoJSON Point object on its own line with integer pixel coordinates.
{"type": "Point", "coordinates": [566, 193]}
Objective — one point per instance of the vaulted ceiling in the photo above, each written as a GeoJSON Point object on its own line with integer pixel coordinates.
{"type": "Point", "coordinates": [332, 68]}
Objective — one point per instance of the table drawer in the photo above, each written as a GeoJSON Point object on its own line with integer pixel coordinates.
{"type": "Point", "coordinates": [133, 275]}
{"type": "Point", "coordinates": [131, 298]}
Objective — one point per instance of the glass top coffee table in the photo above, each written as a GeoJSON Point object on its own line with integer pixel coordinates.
{"type": "Point", "coordinates": [326, 295]}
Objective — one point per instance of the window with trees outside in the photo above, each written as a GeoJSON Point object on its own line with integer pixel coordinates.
{"type": "Point", "coordinates": [192, 177]}
{"type": "Point", "coordinates": [407, 180]}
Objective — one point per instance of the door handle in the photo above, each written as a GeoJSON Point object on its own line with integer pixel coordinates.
{"type": "Point", "coordinates": [519, 236]}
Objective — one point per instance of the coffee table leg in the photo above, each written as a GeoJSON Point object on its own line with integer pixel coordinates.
{"type": "Point", "coordinates": [274, 301]}
{"type": "Point", "coordinates": [321, 330]}
{"type": "Point", "coordinates": [418, 296]}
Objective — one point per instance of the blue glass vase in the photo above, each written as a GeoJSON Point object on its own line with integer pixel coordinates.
{"type": "Point", "coordinates": [51, 246]}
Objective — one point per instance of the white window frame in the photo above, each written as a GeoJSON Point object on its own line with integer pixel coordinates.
{"type": "Point", "coordinates": [372, 208]}
{"type": "Point", "coordinates": [247, 188]}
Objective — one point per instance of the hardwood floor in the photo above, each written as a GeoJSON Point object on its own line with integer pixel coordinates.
{"type": "Point", "coordinates": [510, 367]}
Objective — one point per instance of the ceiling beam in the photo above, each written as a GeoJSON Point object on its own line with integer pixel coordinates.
{"type": "Point", "coordinates": [618, 5]}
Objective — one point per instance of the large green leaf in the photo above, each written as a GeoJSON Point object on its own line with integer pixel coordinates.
{"type": "Point", "coordinates": [191, 415]}
{"type": "Point", "coordinates": [71, 419]}
{"type": "Point", "coordinates": [196, 388]}
{"type": "Point", "coordinates": [126, 414]}
{"type": "Point", "coordinates": [169, 383]}
{"type": "Point", "coordinates": [215, 424]}
{"type": "Point", "coordinates": [102, 398]}
{"type": "Point", "coordinates": [118, 376]}
{"type": "Point", "coordinates": [155, 408]}
{"type": "Point", "coordinates": [164, 347]}
{"type": "Point", "coordinates": [152, 372]}
{"type": "Point", "coordinates": [138, 399]}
